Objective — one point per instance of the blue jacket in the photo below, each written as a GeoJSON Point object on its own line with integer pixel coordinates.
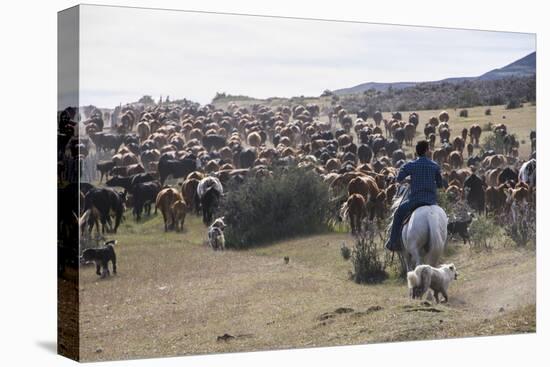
{"type": "Point", "coordinates": [425, 179]}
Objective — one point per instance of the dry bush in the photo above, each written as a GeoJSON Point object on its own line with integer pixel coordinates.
{"type": "Point", "coordinates": [523, 229]}
{"type": "Point", "coordinates": [368, 267]}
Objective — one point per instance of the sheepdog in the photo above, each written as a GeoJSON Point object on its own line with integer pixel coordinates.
{"type": "Point", "coordinates": [216, 239]}
{"type": "Point", "coordinates": [460, 227]}
{"type": "Point", "coordinates": [101, 257]}
{"type": "Point", "coordinates": [425, 276]}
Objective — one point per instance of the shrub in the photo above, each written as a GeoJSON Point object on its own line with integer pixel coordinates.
{"type": "Point", "coordinates": [365, 257]}
{"type": "Point", "coordinates": [522, 231]}
{"type": "Point", "coordinates": [493, 142]}
{"type": "Point", "coordinates": [487, 127]}
{"type": "Point", "coordinates": [488, 112]}
{"type": "Point", "coordinates": [513, 103]}
{"type": "Point", "coordinates": [345, 251]}
{"type": "Point", "coordinates": [292, 202]}
{"type": "Point", "coordinates": [483, 232]}
{"type": "Point", "coordinates": [463, 113]}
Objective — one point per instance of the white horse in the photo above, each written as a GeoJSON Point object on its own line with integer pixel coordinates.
{"type": "Point", "coordinates": [425, 234]}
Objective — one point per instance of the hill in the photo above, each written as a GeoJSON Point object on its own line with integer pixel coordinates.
{"type": "Point", "coordinates": [523, 67]}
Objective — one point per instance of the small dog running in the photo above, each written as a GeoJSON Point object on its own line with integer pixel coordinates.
{"type": "Point", "coordinates": [460, 228]}
{"type": "Point", "coordinates": [216, 238]}
{"type": "Point", "coordinates": [438, 279]}
{"type": "Point", "coordinates": [101, 257]}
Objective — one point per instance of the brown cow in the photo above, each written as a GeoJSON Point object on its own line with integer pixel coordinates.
{"type": "Point", "coordinates": [354, 209]}
{"type": "Point", "coordinates": [165, 199]}
{"type": "Point", "coordinates": [254, 139]}
{"type": "Point", "coordinates": [475, 134]}
{"type": "Point", "coordinates": [189, 192]}
{"type": "Point", "coordinates": [455, 159]}
{"type": "Point", "coordinates": [495, 198]}
{"type": "Point", "coordinates": [179, 210]}
{"type": "Point", "coordinates": [364, 185]}
{"type": "Point", "coordinates": [410, 131]}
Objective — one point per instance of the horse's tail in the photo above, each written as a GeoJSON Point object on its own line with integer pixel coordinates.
{"type": "Point", "coordinates": [437, 234]}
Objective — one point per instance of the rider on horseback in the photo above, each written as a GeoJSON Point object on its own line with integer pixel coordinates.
{"type": "Point", "coordinates": [425, 180]}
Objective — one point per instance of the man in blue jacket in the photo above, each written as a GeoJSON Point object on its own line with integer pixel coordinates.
{"type": "Point", "coordinates": [425, 180]}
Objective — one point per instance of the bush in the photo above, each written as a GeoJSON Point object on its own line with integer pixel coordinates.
{"type": "Point", "coordinates": [293, 202]}
{"type": "Point", "coordinates": [523, 229]}
{"type": "Point", "coordinates": [463, 113]}
{"type": "Point", "coordinates": [488, 112]}
{"type": "Point", "coordinates": [483, 232]}
{"type": "Point", "coordinates": [513, 103]}
{"type": "Point", "coordinates": [367, 266]}
{"type": "Point", "coordinates": [493, 142]}
{"type": "Point", "coordinates": [487, 127]}
{"type": "Point", "coordinates": [345, 251]}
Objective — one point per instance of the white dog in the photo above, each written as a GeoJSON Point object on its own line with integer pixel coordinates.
{"type": "Point", "coordinates": [426, 276]}
{"type": "Point", "coordinates": [216, 239]}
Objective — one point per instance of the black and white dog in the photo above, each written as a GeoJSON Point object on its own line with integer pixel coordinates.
{"type": "Point", "coordinates": [101, 257]}
{"type": "Point", "coordinates": [460, 228]}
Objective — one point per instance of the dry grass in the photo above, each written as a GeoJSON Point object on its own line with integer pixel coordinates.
{"type": "Point", "coordinates": [174, 296]}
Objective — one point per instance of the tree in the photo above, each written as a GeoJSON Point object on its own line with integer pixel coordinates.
{"type": "Point", "coordinates": [146, 100]}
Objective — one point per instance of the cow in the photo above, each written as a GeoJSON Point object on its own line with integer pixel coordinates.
{"type": "Point", "coordinates": [475, 134]}
{"type": "Point", "coordinates": [105, 168]}
{"type": "Point", "coordinates": [189, 192]}
{"type": "Point", "coordinates": [354, 209]}
{"type": "Point", "coordinates": [177, 168]}
{"type": "Point", "coordinates": [213, 142]}
{"type": "Point", "coordinates": [128, 181]}
{"type": "Point", "coordinates": [474, 190]}
{"type": "Point", "coordinates": [164, 201]}
{"type": "Point", "coordinates": [455, 159]}
{"type": "Point", "coordinates": [179, 210]}
{"type": "Point", "coordinates": [209, 192]}
{"type": "Point", "coordinates": [105, 201]}
{"type": "Point", "coordinates": [144, 194]}
{"type": "Point", "coordinates": [527, 172]}
{"type": "Point", "coordinates": [495, 198]}
{"type": "Point", "coordinates": [508, 175]}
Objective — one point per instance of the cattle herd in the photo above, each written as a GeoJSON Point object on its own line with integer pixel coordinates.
{"type": "Point", "coordinates": [182, 157]}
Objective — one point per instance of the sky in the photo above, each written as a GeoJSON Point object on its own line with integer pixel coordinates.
{"type": "Point", "coordinates": [126, 53]}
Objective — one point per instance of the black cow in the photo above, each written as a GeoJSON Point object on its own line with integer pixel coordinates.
{"type": "Point", "coordinates": [508, 174]}
{"type": "Point", "coordinates": [246, 158]}
{"type": "Point", "coordinates": [106, 200]}
{"type": "Point", "coordinates": [107, 142]}
{"type": "Point", "coordinates": [177, 168]}
{"type": "Point", "coordinates": [105, 168]}
{"type": "Point", "coordinates": [364, 152]}
{"type": "Point", "coordinates": [397, 156]}
{"type": "Point", "coordinates": [128, 182]}
{"type": "Point", "coordinates": [213, 141]}
{"type": "Point", "coordinates": [143, 194]}
{"type": "Point", "coordinates": [399, 135]}
{"type": "Point", "coordinates": [475, 195]}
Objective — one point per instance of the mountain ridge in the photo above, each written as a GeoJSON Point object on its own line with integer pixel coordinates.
{"type": "Point", "coordinates": [523, 67]}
